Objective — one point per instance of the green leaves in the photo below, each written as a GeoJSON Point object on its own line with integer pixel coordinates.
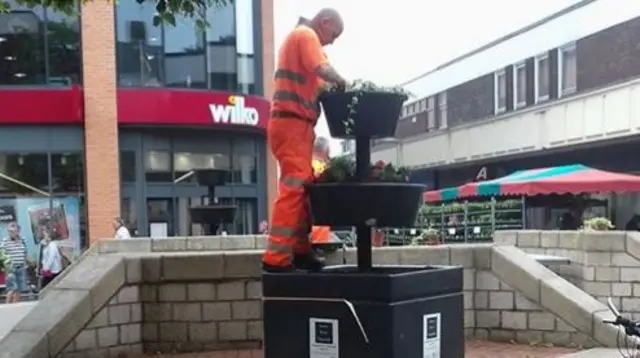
{"type": "Point", "coordinates": [167, 10]}
{"type": "Point", "coordinates": [343, 169]}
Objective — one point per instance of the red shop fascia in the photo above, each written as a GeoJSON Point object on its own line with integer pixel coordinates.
{"type": "Point", "coordinates": [148, 107]}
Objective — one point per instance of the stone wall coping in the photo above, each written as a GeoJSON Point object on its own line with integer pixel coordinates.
{"type": "Point", "coordinates": [592, 241]}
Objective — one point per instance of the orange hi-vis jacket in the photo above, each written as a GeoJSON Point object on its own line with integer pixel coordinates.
{"type": "Point", "coordinates": [296, 85]}
{"type": "Point", "coordinates": [290, 135]}
{"type": "Point", "coordinates": [320, 234]}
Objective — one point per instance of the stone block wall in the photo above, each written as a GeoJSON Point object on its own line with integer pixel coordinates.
{"type": "Point", "coordinates": [501, 313]}
{"type": "Point", "coordinates": [115, 330]}
{"type": "Point", "coordinates": [183, 295]}
{"type": "Point", "coordinates": [603, 264]}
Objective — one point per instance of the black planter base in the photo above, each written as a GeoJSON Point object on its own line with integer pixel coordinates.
{"type": "Point", "coordinates": [398, 312]}
{"type": "Point", "coordinates": [212, 214]}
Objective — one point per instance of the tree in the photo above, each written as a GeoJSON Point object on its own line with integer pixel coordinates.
{"type": "Point", "coordinates": [167, 10]}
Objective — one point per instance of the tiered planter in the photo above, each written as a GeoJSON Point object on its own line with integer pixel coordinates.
{"type": "Point", "coordinates": [365, 310]}
{"type": "Point", "coordinates": [213, 215]}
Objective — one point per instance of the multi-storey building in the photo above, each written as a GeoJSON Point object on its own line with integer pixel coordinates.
{"type": "Point", "coordinates": [105, 114]}
{"type": "Point", "coordinates": [561, 91]}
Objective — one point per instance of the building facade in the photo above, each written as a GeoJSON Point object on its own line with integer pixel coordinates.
{"type": "Point", "coordinates": [564, 90]}
{"type": "Point", "coordinates": [105, 115]}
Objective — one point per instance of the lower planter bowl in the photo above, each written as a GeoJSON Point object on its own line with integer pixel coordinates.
{"type": "Point", "coordinates": [375, 204]}
{"type": "Point", "coordinates": [376, 114]}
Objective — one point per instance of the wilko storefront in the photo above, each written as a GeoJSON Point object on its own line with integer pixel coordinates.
{"type": "Point", "coordinates": [163, 135]}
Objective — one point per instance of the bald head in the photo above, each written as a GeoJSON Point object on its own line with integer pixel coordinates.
{"type": "Point", "coordinates": [322, 146]}
{"type": "Point", "coordinates": [328, 25]}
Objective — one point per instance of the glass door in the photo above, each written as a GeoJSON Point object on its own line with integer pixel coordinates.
{"type": "Point", "coordinates": [160, 217]}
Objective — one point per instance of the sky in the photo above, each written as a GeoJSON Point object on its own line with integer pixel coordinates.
{"type": "Point", "coordinates": [403, 39]}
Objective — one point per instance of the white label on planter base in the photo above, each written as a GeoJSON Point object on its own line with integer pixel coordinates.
{"type": "Point", "coordinates": [431, 332]}
{"type": "Point", "coordinates": [323, 338]}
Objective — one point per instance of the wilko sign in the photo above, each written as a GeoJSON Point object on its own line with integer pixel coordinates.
{"type": "Point", "coordinates": [235, 112]}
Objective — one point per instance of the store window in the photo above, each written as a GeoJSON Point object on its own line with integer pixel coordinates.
{"type": "Point", "coordinates": [244, 162]}
{"type": "Point", "coordinates": [128, 166]}
{"type": "Point", "coordinates": [38, 47]}
{"type": "Point", "coordinates": [139, 45]}
{"type": "Point", "coordinates": [442, 109]}
{"type": "Point", "coordinates": [65, 218]}
{"type": "Point", "coordinates": [157, 165]}
{"type": "Point", "coordinates": [24, 174]}
{"type": "Point", "coordinates": [184, 54]}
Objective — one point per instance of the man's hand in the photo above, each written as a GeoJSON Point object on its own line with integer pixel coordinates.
{"type": "Point", "coordinates": [329, 74]}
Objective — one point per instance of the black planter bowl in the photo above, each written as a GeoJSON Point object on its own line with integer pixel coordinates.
{"type": "Point", "coordinates": [376, 115]}
{"type": "Point", "coordinates": [211, 177]}
{"type": "Point", "coordinates": [213, 214]}
{"type": "Point", "coordinates": [375, 204]}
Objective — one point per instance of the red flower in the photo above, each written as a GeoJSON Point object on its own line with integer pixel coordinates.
{"type": "Point", "coordinates": [380, 164]}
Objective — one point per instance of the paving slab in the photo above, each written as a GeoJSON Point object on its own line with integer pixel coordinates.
{"type": "Point", "coordinates": [595, 353]}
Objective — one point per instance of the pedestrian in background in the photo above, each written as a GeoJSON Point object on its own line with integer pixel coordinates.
{"type": "Point", "coordinates": [15, 248]}
{"type": "Point", "coordinates": [121, 230]}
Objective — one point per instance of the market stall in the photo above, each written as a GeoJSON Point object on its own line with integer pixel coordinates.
{"type": "Point", "coordinates": [494, 196]}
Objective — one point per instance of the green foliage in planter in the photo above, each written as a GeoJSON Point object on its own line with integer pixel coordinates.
{"type": "Point", "coordinates": [343, 169]}
{"type": "Point", "coordinates": [359, 88]}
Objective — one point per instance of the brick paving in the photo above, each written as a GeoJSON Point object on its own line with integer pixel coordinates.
{"type": "Point", "coordinates": [475, 349]}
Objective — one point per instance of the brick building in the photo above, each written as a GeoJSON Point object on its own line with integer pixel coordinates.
{"type": "Point", "coordinates": [104, 115]}
{"type": "Point", "coordinates": [561, 91]}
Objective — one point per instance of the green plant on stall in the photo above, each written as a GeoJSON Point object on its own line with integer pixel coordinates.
{"type": "Point", "coordinates": [597, 224]}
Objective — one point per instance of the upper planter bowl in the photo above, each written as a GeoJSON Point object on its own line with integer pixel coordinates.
{"type": "Point", "coordinates": [376, 114]}
{"type": "Point", "coordinates": [212, 177]}
{"type": "Point", "coordinates": [374, 204]}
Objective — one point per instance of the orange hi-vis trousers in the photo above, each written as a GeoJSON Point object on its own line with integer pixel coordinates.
{"type": "Point", "coordinates": [291, 142]}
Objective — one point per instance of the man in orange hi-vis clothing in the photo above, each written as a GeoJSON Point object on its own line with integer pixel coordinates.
{"type": "Point", "coordinates": [321, 151]}
{"type": "Point", "coordinates": [302, 71]}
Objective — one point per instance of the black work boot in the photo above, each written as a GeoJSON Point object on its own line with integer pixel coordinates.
{"type": "Point", "coordinates": [310, 261]}
{"type": "Point", "coordinates": [277, 269]}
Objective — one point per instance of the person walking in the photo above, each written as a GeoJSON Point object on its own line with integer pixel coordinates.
{"type": "Point", "coordinates": [15, 248]}
{"type": "Point", "coordinates": [121, 229]}
{"type": "Point", "coordinates": [51, 259]}
{"type": "Point", "coordinates": [302, 72]}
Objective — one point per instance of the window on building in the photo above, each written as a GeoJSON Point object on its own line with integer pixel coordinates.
{"type": "Point", "coordinates": [157, 165]}
{"type": "Point", "coordinates": [138, 45]}
{"type": "Point", "coordinates": [222, 67]}
{"type": "Point", "coordinates": [500, 91]}
{"type": "Point", "coordinates": [431, 114]}
{"type": "Point", "coordinates": [67, 173]}
{"type": "Point", "coordinates": [567, 70]}
{"type": "Point", "coordinates": [541, 85]}
{"type": "Point", "coordinates": [442, 109]}
{"type": "Point", "coordinates": [63, 48]}
{"type": "Point", "coordinates": [519, 85]}
{"type": "Point", "coordinates": [243, 165]}
{"type": "Point", "coordinates": [22, 46]}
{"type": "Point", "coordinates": [244, 44]}
{"type": "Point", "coordinates": [184, 54]}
